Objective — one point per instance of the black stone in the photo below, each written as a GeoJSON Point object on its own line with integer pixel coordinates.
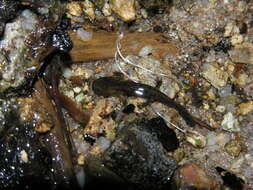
{"type": "Point", "coordinates": [138, 157]}
{"type": "Point", "coordinates": [230, 180]}
{"type": "Point", "coordinates": [165, 135]}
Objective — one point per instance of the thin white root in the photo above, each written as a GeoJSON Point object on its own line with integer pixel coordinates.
{"type": "Point", "coordinates": [121, 69]}
{"type": "Point", "coordinates": [118, 51]}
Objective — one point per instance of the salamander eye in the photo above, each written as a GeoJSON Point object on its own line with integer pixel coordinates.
{"type": "Point", "coordinates": [139, 91]}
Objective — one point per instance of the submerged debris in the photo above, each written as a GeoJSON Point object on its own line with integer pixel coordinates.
{"type": "Point", "coordinates": [137, 156]}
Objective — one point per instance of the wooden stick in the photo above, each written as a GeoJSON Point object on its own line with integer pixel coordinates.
{"type": "Point", "coordinates": [103, 45]}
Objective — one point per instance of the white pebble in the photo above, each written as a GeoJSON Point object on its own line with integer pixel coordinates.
{"type": "Point", "coordinates": [67, 73]}
{"type": "Point", "coordinates": [146, 50]}
{"type": "Point", "coordinates": [84, 35]}
{"type": "Point", "coordinates": [24, 156]}
{"type": "Point", "coordinates": [230, 123]}
{"type": "Point", "coordinates": [77, 90]}
{"type": "Point", "coordinates": [220, 108]}
{"type": "Point", "coordinates": [80, 97]}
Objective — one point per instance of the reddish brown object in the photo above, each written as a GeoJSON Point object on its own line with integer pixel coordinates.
{"type": "Point", "coordinates": [191, 176]}
{"type": "Point", "coordinates": [103, 45]}
{"type": "Point", "coordinates": [55, 140]}
{"type": "Point", "coordinates": [77, 114]}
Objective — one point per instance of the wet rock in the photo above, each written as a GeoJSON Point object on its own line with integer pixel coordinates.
{"type": "Point", "coordinates": [236, 39]}
{"type": "Point", "coordinates": [13, 65]}
{"type": "Point", "coordinates": [8, 109]}
{"type": "Point", "coordinates": [24, 45]}
{"type": "Point", "coordinates": [26, 162]}
{"type": "Point", "coordinates": [191, 176]}
{"type": "Point", "coordinates": [230, 180]}
{"type": "Point", "coordinates": [138, 157]}
{"type": "Point", "coordinates": [230, 29]}
{"type": "Point", "coordinates": [230, 123]}
{"type": "Point", "coordinates": [226, 91]}
{"type": "Point", "coordinates": [242, 79]}
{"type": "Point", "coordinates": [89, 9]}
{"type": "Point", "coordinates": [124, 9]}
{"type": "Point", "coordinates": [213, 73]}
{"type": "Point", "coordinates": [242, 53]}
{"type": "Point", "coordinates": [74, 8]}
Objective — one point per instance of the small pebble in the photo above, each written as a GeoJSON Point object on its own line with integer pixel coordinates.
{"type": "Point", "coordinates": [146, 50]}
{"type": "Point", "coordinates": [220, 108]}
{"type": "Point", "coordinates": [89, 9]}
{"type": "Point", "coordinates": [74, 9]}
{"type": "Point", "coordinates": [107, 9]}
{"type": "Point", "coordinates": [236, 39]}
{"type": "Point", "coordinates": [196, 139]}
{"type": "Point", "coordinates": [191, 176]}
{"type": "Point", "coordinates": [67, 73]}
{"type": "Point", "coordinates": [233, 147]}
{"type": "Point", "coordinates": [70, 94]}
{"type": "Point", "coordinates": [242, 53]}
{"type": "Point", "coordinates": [84, 35]}
{"type": "Point", "coordinates": [80, 97]}
{"type": "Point", "coordinates": [245, 108]}
{"type": "Point", "coordinates": [24, 156]}
{"type": "Point", "coordinates": [230, 123]}
{"type": "Point", "coordinates": [228, 29]}
{"type": "Point", "coordinates": [77, 90]}
{"type": "Point", "coordinates": [124, 9]}
{"type": "Point", "coordinates": [144, 13]}
{"type": "Point", "coordinates": [80, 159]}
{"type": "Point", "coordinates": [215, 75]}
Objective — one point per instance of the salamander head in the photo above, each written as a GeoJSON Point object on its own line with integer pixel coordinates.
{"type": "Point", "coordinates": [99, 87]}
